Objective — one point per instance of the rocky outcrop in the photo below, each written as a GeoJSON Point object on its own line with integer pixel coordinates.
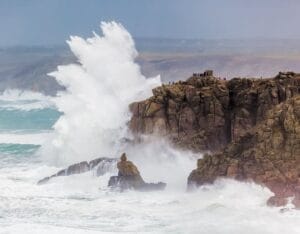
{"type": "Point", "coordinates": [100, 165]}
{"type": "Point", "coordinates": [269, 154]}
{"type": "Point", "coordinates": [251, 127]}
{"type": "Point", "coordinates": [129, 178]}
{"type": "Point", "coordinates": [206, 113]}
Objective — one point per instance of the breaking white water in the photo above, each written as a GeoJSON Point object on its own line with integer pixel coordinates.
{"type": "Point", "coordinates": [99, 89]}
{"type": "Point", "coordinates": [89, 121]}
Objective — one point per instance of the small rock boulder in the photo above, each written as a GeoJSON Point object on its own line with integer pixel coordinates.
{"type": "Point", "coordinates": [129, 178]}
{"type": "Point", "coordinates": [127, 168]}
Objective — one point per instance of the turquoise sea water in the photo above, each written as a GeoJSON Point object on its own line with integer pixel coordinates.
{"type": "Point", "coordinates": [83, 203]}
{"type": "Point", "coordinates": [31, 120]}
{"type": "Point", "coordinates": [21, 123]}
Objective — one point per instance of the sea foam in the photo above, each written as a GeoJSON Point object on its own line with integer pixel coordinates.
{"type": "Point", "coordinates": [95, 113]}
{"type": "Point", "coordinates": [99, 89]}
{"type": "Point", "coordinates": [23, 100]}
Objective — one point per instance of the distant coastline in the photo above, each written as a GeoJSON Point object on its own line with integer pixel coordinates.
{"type": "Point", "coordinates": [26, 67]}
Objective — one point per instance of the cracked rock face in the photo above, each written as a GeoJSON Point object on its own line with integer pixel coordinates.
{"type": "Point", "coordinates": [206, 113]}
{"type": "Point", "coordinates": [269, 155]}
{"type": "Point", "coordinates": [250, 126]}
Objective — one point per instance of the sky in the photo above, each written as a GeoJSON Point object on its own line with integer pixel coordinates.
{"type": "Point", "coordinates": [47, 22]}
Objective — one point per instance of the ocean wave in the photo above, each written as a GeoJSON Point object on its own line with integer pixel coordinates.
{"type": "Point", "coordinates": [99, 89]}
{"type": "Point", "coordinates": [81, 203]}
{"type": "Point", "coordinates": [35, 119]}
{"type": "Point", "coordinates": [17, 149]}
{"type": "Point", "coordinates": [14, 99]}
{"type": "Point", "coordinates": [33, 138]}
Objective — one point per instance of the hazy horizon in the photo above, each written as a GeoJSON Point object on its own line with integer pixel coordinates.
{"type": "Point", "coordinates": [52, 22]}
{"type": "Point", "coordinates": [173, 37]}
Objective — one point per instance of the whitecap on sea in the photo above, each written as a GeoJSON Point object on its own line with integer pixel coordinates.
{"type": "Point", "coordinates": [88, 120]}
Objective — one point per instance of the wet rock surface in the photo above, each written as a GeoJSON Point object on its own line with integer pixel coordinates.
{"type": "Point", "coordinates": [251, 127]}
{"type": "Point", "coordinates": [100, 165]}
{"type": "Point", "coordinates": [269, 155]}
{"type": "Point", "coordinates": [129, 178]}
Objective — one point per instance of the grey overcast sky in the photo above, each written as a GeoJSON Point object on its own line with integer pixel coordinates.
{"type": "Point", "coordinates": [46, 22]}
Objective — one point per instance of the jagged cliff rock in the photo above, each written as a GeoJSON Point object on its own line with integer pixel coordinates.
{"type": "Point", "coordinates": [207, 113]}
{"type": "Point", "coordinates": [250, 126]}
{"type": "Point", "coordinates": [269, 155]}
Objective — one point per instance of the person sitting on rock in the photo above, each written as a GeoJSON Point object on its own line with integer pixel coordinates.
{"type": "Point", "coordinates": [129, 178]}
